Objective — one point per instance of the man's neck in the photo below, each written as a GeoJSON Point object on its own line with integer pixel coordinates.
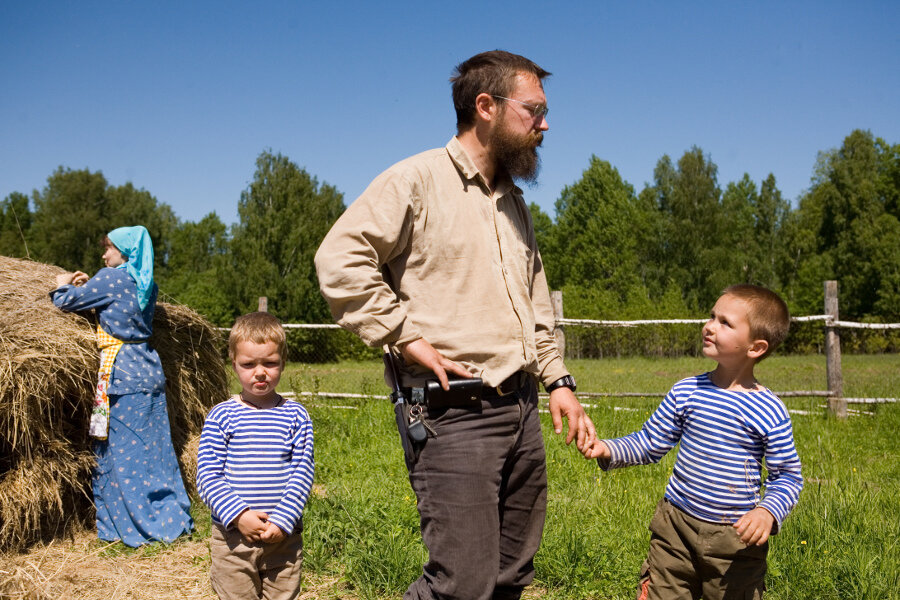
{"type": "Point", "coordinates": [476, 145]}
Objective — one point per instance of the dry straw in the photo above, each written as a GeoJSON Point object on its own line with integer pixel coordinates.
{"type": "Point", "coordinates": [48, 367]}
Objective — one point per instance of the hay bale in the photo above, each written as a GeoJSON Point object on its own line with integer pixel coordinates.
{"type": "Point", "coordinates": [48, 367]}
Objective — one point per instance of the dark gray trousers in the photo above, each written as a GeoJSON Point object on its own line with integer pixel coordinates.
{"type": "Point", "coordinates": [481, 486]}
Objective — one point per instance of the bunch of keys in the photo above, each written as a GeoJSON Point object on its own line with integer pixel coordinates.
{"type": "Point", "coordinates": [418, 426]}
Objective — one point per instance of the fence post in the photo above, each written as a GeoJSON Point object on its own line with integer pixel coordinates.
{"type": "Point", "coordinates": [837, 405]}
{"type": "Point", "coordinates": [263, 304]}
{"type": "Point", "coordinates": [556, 300]}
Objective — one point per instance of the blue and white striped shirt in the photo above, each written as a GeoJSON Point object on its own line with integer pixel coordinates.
{"type": "Point", "coordinates": [256, 459]}
{"type": "Point", "coordinates": [724, 435]}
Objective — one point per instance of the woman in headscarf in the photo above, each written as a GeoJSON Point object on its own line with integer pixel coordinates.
{"type": "Point", "coordinates": [137, 485]}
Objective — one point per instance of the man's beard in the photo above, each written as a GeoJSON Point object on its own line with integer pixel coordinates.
{"type": "Point", "coordinates": [517, 154]}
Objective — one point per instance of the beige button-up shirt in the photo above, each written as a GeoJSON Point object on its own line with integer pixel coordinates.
{"type": "Point", "coordinates": [463, 269]}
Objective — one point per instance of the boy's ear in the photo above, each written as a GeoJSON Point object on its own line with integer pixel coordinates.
{"type": "Point", "coordinates": [757, 349]}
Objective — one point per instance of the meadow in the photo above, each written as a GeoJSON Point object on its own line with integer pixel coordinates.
{"type": "Point", "coordinates": [361, 537]}
{"type": "Point", "coordinates": [840, 541]}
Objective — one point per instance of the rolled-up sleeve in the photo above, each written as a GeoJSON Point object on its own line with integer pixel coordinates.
{"type": "Point", "coordinates": [550, 361]}
{"type": "Point", "coordinates": [372, 231]}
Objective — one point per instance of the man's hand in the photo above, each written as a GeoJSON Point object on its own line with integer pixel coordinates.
{"type": "Point", "coordinates": [755, 526]}
{"type": "Point", "coordinates": [273, 534]}
{"type": "Point", "coordinates": [564, 404]}
{"type": "Point", "coordinates": [252, 524]}
{"type": "Point", "coordinates": [421, 352]}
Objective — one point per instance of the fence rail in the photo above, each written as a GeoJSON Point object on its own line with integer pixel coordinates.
{"type": "Point", "coordinates": [837, 403]}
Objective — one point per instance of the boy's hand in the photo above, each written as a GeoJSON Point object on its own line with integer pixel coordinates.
{"type": "Point", "coordinates": [755, 526]}
{"type": "Point", "coordinates": [273, 534]}
{"type": "Point", "coordinates": [252, 524]}
{"type": "Point", "coordinates": [580, 427]}
{"type": "Point", "coordinates": [598, 450]}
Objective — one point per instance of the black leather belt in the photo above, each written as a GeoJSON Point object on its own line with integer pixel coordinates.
{"type": "Point", "coordinates": [510, 385]}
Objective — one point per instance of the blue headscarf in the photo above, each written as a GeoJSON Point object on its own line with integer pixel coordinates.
{"type": "Point", "coordinates": [135, 244]}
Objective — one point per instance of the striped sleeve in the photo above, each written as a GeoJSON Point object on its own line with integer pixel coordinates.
{"type": "Point", "coordinates": [289, 510]}
{"type": "Point", "coordinates": [660, 433]}
{"type": "Point", "coordinates": [785, 479]}
{"type": "Point", "coordinates": [214, 489]}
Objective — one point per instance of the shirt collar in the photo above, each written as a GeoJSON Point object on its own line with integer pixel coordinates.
{"type": "Point", "coordinates": [468, 169]}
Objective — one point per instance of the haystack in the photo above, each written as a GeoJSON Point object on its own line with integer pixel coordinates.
{"type": "Point", "coordinates": [48, 369]}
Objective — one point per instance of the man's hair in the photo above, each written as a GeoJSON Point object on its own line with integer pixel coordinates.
{"type": "Point", "coordinates": [767, 314]}
{"type": "Point", "coordinates": [259, 328]}
{"type": "Point", "coordinates": [491, 73]}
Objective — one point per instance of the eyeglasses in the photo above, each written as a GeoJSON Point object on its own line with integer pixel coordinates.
{"type": "Point", "coordinates": [537, 110]}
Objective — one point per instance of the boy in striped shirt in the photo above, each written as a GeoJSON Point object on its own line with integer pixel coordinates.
{"type": "Point", "coordinates": [709, 533]}
{"type": "Point", "coordinates": [255, 469]}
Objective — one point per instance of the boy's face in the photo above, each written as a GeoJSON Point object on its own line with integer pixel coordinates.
{"type": "Point", "coordinates": [726, 336]}
{"type": "Point", "coordinates": [258, 367]}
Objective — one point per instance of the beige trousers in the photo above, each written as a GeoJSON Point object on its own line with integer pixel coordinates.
{"type": "Point", "coordinates": [242, 570]}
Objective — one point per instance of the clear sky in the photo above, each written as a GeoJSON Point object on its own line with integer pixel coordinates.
{"type": "Point", "coordinates": [179, 98]}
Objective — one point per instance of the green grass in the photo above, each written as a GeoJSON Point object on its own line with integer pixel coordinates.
{"type": "Point", "coordinates": [840, 542]}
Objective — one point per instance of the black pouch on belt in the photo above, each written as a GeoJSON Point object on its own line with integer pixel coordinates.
{"type": "Point", "coordinates": [463, 393]}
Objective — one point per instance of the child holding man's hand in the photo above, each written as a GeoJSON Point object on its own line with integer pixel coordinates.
{"type": "Point", "coordinates": [709, 533]}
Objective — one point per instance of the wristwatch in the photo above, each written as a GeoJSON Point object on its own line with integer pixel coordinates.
{"type": "Point", "coordinates": [567, 381]}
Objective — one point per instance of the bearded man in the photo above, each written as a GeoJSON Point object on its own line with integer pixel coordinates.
{"type": "Point", "coordinates": [437, 261]}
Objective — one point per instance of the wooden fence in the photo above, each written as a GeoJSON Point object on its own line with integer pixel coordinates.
{"type": "Point", "coordinates": [837, 402]}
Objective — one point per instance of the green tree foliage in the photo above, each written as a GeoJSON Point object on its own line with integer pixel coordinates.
{"type": "Point", "coordinates": [198, 269]}
{"type": "Point", "coordinates": [543, 230]}
{"type": "Point", "coordinates": [847, 227]}
{"type": "Point", "coordinates": [770, 211]}
{"type": "Point", "coordinates": [695, 240]}
{"type": "Point", "coordinates": [666, 252]}
{"type": "Point", "coordinates": [284, 215]}
{"type": "Point", "coordinates": [596, 233]}
{"type": "Point", "coordinates": [77, 208]}
{"type": "Point", "coordinates": [15, 223]}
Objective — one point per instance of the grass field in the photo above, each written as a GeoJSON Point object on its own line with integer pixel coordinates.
{"type": "Point", "coordinates": [361, 537]}
{"type": "Point", "coordinates": [840, 542]}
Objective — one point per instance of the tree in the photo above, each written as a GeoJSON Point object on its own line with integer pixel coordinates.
{"type": "Point", "coordinates": [693, 237]}
{"type": "Point", "coordinates": [738, 246]}
{"type": "Point", "coordinates": [595, 237]}
{"type": "Point", "coordinates": [77, 208]}
{"type": "Point", "coordinates": [770, 212]}
{"type": "Point", "coordinates": [543, 229]}
{"type": "Point", "coordinates": [15, 223]}
{"type": "Point", "coordinates": [284, 215]}
{"type": "Point", "coordinates": [847, 228]}
{"type": "Point", "coordinates": [198, 269]}
{"type": "Point", "coordinates": [70, 219]}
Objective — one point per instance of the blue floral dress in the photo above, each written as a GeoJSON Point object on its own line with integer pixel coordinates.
{"type": "Point", "coordinates": [137, 485]}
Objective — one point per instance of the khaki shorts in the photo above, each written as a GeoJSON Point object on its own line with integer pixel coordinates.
{"type": "Point", "coordinates": [690, 558]}
{"type": "Point", "coordinates": [242, 570]}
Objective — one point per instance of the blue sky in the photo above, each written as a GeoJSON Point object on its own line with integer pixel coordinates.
{"type": "Point", "coordinates": [179, 98]}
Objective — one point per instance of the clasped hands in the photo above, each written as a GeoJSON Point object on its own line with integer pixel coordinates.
{"type": "Point", "coordinates": [563, 403]}
{"type": "Point", "coordinates": [255, 526]}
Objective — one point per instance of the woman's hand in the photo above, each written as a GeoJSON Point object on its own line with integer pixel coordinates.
{"type": "Point", "coordinates": [76, 278]}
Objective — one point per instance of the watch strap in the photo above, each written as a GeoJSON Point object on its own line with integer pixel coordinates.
{"type": "Point", "coordinates": [565, 381]}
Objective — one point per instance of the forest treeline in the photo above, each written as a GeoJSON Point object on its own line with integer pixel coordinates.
{"type": "Point", "coordinates": [665, 251]}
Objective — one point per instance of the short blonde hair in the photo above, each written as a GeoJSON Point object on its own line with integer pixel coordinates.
{"type": "Point", "coordinates": [259, 328]}
{"type": "Point", "coordinates": [767, 314]}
